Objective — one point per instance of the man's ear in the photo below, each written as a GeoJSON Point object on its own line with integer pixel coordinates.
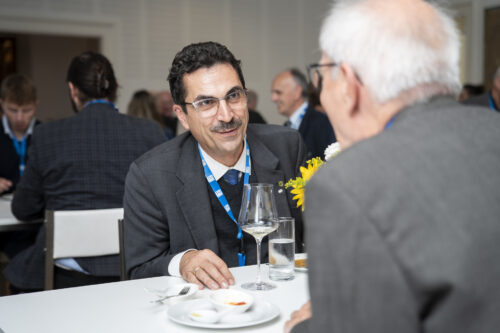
{"type": "Point", "coordinates": [181, 115]}
{"type": "Point", "coordinates": [350, 88]}
{"type": "Point", "coordinates": [297, 92]}
{"type": "Point", "coordinates": [73, 92]}
{"type": "Point", "coordinates": [496, 82]}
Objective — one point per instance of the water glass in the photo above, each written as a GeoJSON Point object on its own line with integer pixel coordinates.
{"type": "Point", "coordinates": [282, 250]}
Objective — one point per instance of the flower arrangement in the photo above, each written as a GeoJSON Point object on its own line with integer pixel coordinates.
{"type": "Point", "coordinates": [298, 184]}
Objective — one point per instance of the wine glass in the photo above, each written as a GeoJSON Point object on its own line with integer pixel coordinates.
{"type": "Point", "coordinates": [257, 217]}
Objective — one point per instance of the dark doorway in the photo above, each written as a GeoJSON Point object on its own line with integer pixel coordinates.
{"type": "Point", "coordinates": [45, 59]}
{"type": "Point", "coordinates": [491, 44]}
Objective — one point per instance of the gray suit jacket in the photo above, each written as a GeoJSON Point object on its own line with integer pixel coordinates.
{"type": "Point", "coordinates": [167, 203]}
{"type": "Point", "coordinates": [404, 228]}
{"type": "Point", "coordinates": [77, 163]}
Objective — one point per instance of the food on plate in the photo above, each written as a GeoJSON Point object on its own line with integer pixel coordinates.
{"type": "Point", "coordinates": [302, 263]}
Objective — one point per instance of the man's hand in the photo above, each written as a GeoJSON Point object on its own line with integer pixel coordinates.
{"type": "Point", "coordinates": [205, 268]}
{"type": "Point", "coordinates": [5, 184]}
{"type": "Point", "coordinates": [298, 316]}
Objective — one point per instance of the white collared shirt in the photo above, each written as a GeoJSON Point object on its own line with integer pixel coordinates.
{"type": "Point", "coordinates": [218, 170]}
{"type": "Point", "coordinates": [296, 118]}
{"type": "Point", "coordinates": [8, 131]}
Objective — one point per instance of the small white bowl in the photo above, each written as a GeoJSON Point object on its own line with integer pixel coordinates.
{"type": "Point", "coordinates": [237, 300]}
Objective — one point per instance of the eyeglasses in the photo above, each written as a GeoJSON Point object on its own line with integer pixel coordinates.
{"type": "Point", "coordinates": [207, 107]}
{"type": "Point", "coordinates": [314, 74]}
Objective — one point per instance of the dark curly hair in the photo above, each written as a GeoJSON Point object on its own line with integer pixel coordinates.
{"type": "Point", "coordinates": [94, 77]}
{"type": "Point", "coordinates": [194, 57]}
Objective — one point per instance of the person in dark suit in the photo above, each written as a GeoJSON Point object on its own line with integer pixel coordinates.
{"type": "Point", "coordinates": [175, 224]}
{"type": "Point", "coordinates": [164, 104]}
{"type": "Point", "coordinates": [254, 116]}
{"type": "Point", "coordinates": [490, 99]}
{"type": "Point", "coordinates": [79, 163]}
{"type": "Point", "coordinates": [403, 232]}
{"type": "Point", "coordinates": [19, 100]}
{"type": "Point", "coordinates": [289, 92]}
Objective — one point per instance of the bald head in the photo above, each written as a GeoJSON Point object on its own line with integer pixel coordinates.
{"type": "Point", "coordinates": [287, 92]}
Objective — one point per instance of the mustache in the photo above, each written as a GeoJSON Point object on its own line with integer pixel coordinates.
{"type": "Point", "coordinates": [222, 126]}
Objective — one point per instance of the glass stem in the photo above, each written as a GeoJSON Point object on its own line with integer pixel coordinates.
{"type": "Point", "coordinates": [259, 281]}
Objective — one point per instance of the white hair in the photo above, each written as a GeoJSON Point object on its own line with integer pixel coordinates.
{"type": "Point", "coordinates": [394, 52]}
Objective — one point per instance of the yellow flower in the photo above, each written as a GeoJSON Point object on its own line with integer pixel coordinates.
{"type": "Point", "coordinates": [298, 184]}
{"type": "Point", "coordinates": [299, 196]}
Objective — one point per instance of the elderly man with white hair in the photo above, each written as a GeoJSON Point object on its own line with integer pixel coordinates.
{"type": "Point", "coordinates": [403, 229]}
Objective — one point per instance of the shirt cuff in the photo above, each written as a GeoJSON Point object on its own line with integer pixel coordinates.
{"type": "Point", "coordinates": [173, 266]}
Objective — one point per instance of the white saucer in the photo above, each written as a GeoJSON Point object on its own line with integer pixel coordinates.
{"type": "Point", "coordinates": [260, 312]}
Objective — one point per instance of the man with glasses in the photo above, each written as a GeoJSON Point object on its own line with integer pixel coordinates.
{"type": "Point", "coordinates": [182, 199]}
{"type": "Point", "coordinates": [289, 92]}
{"type": "Point", "coordinates": [403, 225]}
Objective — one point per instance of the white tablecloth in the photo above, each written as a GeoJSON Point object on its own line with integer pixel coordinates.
{"type": "Point", "coordinates": [125, 307]}
{"type": "Point", "coordinates": [7, 221]}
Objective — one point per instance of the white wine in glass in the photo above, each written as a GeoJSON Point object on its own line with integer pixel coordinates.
{"type": "Point", "coordinates": [257, 217]}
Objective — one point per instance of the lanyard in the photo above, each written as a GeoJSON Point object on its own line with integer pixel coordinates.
{"type": "Point", "coordinates": [100, 101]}
{"type": "Point", "coordinates": [20, 147]}
{"type": "Point", "coordinates": [492, 103]}
{"type": "Point", "coordinates": [389, 123]}
{"type": "Point", "coordinates": [296, 123]}
{"type": "Point", "coordinates": [222, 198]}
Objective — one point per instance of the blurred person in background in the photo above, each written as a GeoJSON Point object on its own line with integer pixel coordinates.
{"type": "Point", "coordinates": [490, 99]}
{"type": "Point", "coordinates": [289, 93]}
{"type": "Point", "coordinates": [78, 163]}
{"type": "Point", "coordinates": [19, 100]}
{"type": "Point", "coordinates": [164, 105]}
{"type": "Point", "coordinates": [143, 105]}
{"type": "Point", "coordinates": [254, 117]}
{"type": "Point", "coordinates": [470, 90]}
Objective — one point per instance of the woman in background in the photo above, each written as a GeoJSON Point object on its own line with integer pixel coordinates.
{"type": "Point", "coordinates": [143, 105]}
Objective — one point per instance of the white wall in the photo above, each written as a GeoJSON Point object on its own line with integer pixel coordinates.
{"type": "Point", "coordinates": [141, 37]}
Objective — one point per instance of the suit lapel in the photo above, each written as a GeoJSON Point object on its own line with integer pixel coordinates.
{"type": "Point", "coordinates": [265, 165]}
{"type": "Point", "coordinates": [193, 198]}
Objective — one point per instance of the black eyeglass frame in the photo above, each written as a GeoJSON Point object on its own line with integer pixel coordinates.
{"type": "Point", "coordinates": [316, 67]}
{"type": "Point", "coordinates": [311, 68]}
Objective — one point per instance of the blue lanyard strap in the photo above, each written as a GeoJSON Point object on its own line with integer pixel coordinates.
{"type": "Point", "coordinates": [296, 123]}
{"type": "Point", "coordinates": [492, 103]}
{"type": "Point", "coordinates": [222, 198]}
{"type": "Point", "coordinates": [100, 101]}
{"type": "Point", "coordinates": [20, 147]}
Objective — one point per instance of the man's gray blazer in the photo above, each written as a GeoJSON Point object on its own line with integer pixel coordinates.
{"type": "Point", "coordinates": [77, 163]}
{"type": "Point", "coordinates": [167, 203]}
{"type": "Point", "coordinates": [403, 229]}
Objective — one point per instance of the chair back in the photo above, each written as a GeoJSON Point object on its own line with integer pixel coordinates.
{"type": "Point", "coordinates": [80, 233]}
